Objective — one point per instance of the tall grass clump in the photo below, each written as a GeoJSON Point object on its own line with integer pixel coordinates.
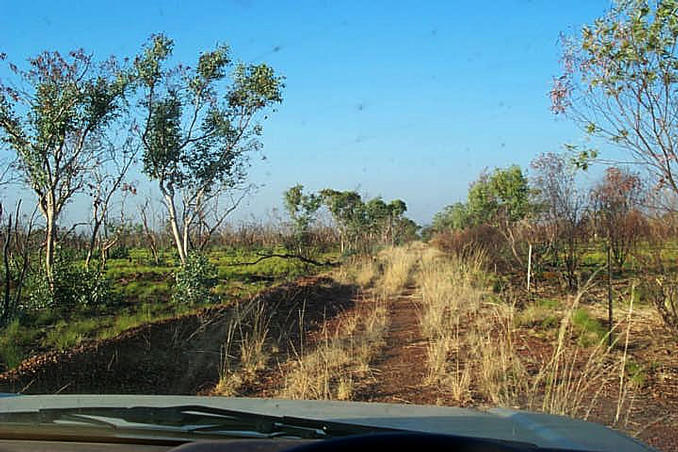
{"type": "Point", "coordinates": [470, 338]}
{"type": "Point", "coordinates": [473, 345]}
{"type": "Point", "coordinates": [571, 382]}
{"type": "Point", "coordinates": [499, 372]}
{"type": "Point", "coordinates": [341, 359]}
{"type": "Point", "coordinates": [396, 265]}
{"type": "Point", "coordinates": [245, 351]}
{"type": "Point", "coordinates": [450, 294]}
{"type": "Point", "coordinates": [361, 271]}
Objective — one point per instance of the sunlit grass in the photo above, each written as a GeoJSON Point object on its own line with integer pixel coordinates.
{"type": "Point", "coordinates": [65, 335]}
{"type": "Point", "coordinates": [145, 292]}
{"type": "Point", "coordinates": [11, 339]}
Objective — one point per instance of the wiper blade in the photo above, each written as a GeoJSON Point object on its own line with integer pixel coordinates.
{"type": "Point", "coordinates": [193, 420]}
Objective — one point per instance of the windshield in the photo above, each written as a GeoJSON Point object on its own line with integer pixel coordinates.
{"type": "Point", "coordinates": [439, 203]}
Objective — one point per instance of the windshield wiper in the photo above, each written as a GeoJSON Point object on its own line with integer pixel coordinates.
{"type": "Point", "coordinates": [186, 420]}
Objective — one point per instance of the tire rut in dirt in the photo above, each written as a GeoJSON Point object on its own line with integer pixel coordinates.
{"type": "Point", "coordinates": [400, 372]}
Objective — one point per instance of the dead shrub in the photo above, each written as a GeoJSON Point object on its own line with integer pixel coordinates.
{"type": "Point", "coordinates": [468, 242]}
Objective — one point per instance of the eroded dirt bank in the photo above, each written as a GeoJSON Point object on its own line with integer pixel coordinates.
{"type": "Point", "coordinates": [175, 356]}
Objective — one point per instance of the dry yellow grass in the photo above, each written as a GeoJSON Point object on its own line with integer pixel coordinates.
{"type": "Point", "coordinates": [361, 271]}
{"type": "Point", "coordinates": [244, 351]}
{"type": "Point", "coordinates": [332, 368]}
{"type": "Point", "coordinates": [571, 382]}
{"type": "Point", "coordinates": [498, 370]}
{"type": "Point", "coordinates": [449, 296]}
{"type": "Point", "coordinates": [342, 359]}
{"type": "Point", "coordinates": [397, 263]}
{"type": "Point", "coordinates": [473, 340]}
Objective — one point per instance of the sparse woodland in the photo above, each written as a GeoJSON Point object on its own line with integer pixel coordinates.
{"type": "Point", "coordinates": [551, 287]}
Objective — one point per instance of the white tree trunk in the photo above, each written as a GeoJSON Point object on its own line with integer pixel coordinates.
{"type": "Point", "coordinates": [178, 237]}
{"type": "Point", "coordinates": [50, 238]}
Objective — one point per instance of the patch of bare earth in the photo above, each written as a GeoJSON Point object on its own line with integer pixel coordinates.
{"type": "Point", "coordinates": [400, 370]}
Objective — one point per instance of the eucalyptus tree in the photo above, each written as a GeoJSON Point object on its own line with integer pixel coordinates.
{"type": "Point", "coordinates": [620, 82]}
{"type": "Point", "coordinates": [499, 198]}
{"type": "Point", "coordinates": [302, 209]}
{"type": "Point", "coordinates": [362, 224]}
{"type": "Point", "coordinates": [105, 182]}
{"type": "Point", "coordinates": [54, 114]}
{"type": "Point", "coordinates": [347, 209]}
{"type": "Point", "coordinates": [199, 127]}
{"type": "Point", "coordinates": [384, 220]}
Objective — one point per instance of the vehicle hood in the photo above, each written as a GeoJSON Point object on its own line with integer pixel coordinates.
{"type": "Point", "coordinates": [542, 430]}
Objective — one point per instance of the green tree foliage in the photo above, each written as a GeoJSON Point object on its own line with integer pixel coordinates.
{"type": "Point", "coordinates": [195, 280]}
{"type": "Point", "coordinates": [502, 196]}
{"type": "Point", "coordinates": [200, 125]}
{"type": "Point", "coordinates": [70, 285]}
{"type": "Point", "coordinates": [362, 224]}
{"type": "Point", "coordinates": [56, 124]}
{"type": "Point", "coordinates": [302, 209]}
{"type": "Point", "coordinates": [620, 79]}
{"type": "Point", "coordinates": [454, 216]}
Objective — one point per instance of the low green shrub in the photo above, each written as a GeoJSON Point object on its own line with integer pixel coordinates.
{"type": "Point", "coordinates": [636, 373]}
{"type": "Point", "coordinates": [11, 353]}
{"type": "Point", "coordinates": [73, 285]}
{"type": "Point", "coordinates": [550, 322]}
{"type": "Point", "coordinates": [119, 252]}
{"type": "Point", "coordinates": [195, 281]}
{"type": "Point", "coordinates": [65, 335]}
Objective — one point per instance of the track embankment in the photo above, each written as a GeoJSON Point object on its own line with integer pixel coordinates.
{"type": "Point", "coordinates": [182, 355]}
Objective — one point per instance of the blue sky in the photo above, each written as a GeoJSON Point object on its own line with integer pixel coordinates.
{"type": "Point", "coordinates": [402, 99]}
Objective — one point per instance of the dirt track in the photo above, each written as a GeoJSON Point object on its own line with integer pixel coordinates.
{"type": "Point", "coordinates": [401, 370]}
{"type": "Point", "coordinates": [183, 356]}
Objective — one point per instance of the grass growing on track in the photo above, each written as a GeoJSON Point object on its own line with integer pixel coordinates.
{"type": "Point", "coordinates": [342, 359]}
{"type": "Point", "coordinates": [450, 295]}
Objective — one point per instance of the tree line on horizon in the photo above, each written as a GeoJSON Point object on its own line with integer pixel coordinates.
{"type": "Point", "coordinates": [72, 126]}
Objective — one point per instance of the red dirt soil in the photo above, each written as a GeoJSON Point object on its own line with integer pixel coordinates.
{"type": "Point", "coordinates": [401, 369]}
{"type": "Point", "coordinates": [182, 356]}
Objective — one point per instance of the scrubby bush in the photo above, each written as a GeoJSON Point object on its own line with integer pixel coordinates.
{"type": "Point", "coordinates": [119, 252]}
{"type": "Point", "coordinates": [195, 280]}
{"type": "Point", "coordinates": [72, 285]}
{"type": "Point", "coordinates": [472, 240]}
{"type": "Point", "coordinates": [663, 294]}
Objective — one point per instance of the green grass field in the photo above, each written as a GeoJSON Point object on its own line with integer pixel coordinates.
{"type": "Point", "coordinates": [144, 291]}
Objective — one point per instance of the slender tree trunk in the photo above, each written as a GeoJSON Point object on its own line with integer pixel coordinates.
{"type": "Point", "coordinates": [610, 317]}
{"type": "Point", "coordinates": [5, 260]}
{"type": "Point", "coordinates": [529, 267]}
{"type": "Point", "coordinates": [92, 242]}
{"type": "Point", "coordinates": [186, 238]}
{"type": "Point", "coordinates": [50, 242]}
{"type": "Point", "coordinates": [178, 240]}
